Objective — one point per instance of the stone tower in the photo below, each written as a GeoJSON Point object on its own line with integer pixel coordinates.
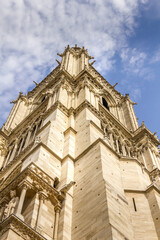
{"type": "Point", "coordinates": [75, 165]}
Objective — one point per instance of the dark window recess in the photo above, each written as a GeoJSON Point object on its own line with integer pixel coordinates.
{"type": "Point", "coordinates": [43, 99]}
{"type": "Point", "coordinates": [105, 104]}
{"type": "Point", "coordinates": [134, 204]}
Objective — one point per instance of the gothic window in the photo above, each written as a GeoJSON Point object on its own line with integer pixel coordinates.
{"type": "Point", "coordinates": [43, 99]}
{"type": "Point", "coordinates": [105, 104]}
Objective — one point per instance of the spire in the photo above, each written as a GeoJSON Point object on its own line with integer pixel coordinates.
{"type": "Point", "coordinates": [74, 59]}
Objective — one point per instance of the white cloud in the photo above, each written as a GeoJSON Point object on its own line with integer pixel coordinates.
{"type": "Point", "coordinates": [156, 57]}
{"type": "Point", "coordinates": [133, 60]}
{"type": "Point", "coordinates": [135, 94]}
{"type": "Point", "coordinates": [33, 31]}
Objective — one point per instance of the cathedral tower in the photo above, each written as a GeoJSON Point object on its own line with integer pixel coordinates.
{"type": "Point", "coordinates": [75, 164]}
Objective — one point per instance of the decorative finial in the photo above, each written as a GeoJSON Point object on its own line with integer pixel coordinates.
{"type": "Point", "coordinates": [92, 62]}
{"type": "Point", "coordinates": [142, 124]}
{"type": "Point", "coordinates": [35, 83]}
{"type": "Point", "coordinates": [58, 62]}
{"type": "Point", "coordinates": [114, 85]}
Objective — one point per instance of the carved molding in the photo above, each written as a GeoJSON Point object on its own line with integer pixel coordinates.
{"type": "Point", "coordinates": [19, 227]}
{"type": "Point", "coordinates": [37, 179]}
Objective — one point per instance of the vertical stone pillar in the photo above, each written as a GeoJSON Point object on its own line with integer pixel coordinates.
{"type": "Point", "coordinates": [8, 157]}
{"type": "Point", "coordinates": [143, 158]}
{"type": "Point", "coordinates": [117, 144]}
{"type": "Point", "coordinates": [129, 151]}
{"type": "Point", "coordinates": [155, 158]}
{"type": "Point", "coordinates": [14, 151]}
{"type": "Point", "coordinates": [124, 150]}
{"type": "Point", "coordinates": [57, 212]}
{"type": "Point", "coordinates": [42, 197]}
{"type": "Point", "coordinates": [111, 139]}
{"type": "Point", "coordinates": [21, 201]}
{"type": "Point", "coordinates": [151, 157]}
{"type": "Point", "coordinates": [20, 148]}
{"type": "Point", "coordinates": [49, 100]}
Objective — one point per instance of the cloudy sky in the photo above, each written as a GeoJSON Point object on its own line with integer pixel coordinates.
{"type": "Point", "coordinates": [122, 35]}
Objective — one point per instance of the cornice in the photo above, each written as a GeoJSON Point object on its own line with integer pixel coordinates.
{"type": "Point", "coordinates": [25, 154]}
{"type": "Point", "coordinates": [99, 140]}
{"type": "Point", "coordinates": [42, 128]}
{"type": "Point", "coordinates": [70, 129]}
{"type": "Point", "coordinates": [142, 132]}
{"type": "Point", "coordinates": [20, 228]}
{"type": "Point", "coordinates": [130, 159]}
{"type": "Point", "coordinates": [95, 125]}
{"type": "Point", "coordinates": [4, 135]}
{"type": "Point", "coordinates": [144, 191]}
{"type": "Point", "coordinates": [40, 179]}
{"type": "Point", "coordinates": [68, 156]}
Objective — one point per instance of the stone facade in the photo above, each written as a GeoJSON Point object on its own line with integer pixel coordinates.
{"type": "Point", "coordinates": [75, 165]}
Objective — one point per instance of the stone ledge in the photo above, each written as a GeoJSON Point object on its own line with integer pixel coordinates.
{"type": "Point", "coordinates": [20, 228]}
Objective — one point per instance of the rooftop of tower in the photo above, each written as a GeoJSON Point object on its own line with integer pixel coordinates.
{"type": "Point", "coordinates": [76, 50]}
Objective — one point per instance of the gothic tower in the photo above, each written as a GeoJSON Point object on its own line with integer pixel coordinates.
{"type": "Point", "coordinates": [75, 165]}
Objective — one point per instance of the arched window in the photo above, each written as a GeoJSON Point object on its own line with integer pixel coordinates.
{"type": "Point", "coordinates": [105, 104]}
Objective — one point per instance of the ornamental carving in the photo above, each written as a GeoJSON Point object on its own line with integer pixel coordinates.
{"type": "Point", "coordinates": [11, 206]}
{"type": "Point", "coordinates": [3, 147]}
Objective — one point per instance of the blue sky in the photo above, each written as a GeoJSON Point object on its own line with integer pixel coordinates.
{"type": "Point", "coordinates": [122, 35]}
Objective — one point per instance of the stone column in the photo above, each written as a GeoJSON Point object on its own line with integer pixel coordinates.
{"type": "Point", "coordinates": [158, 159]}
{"type": "Point", "coordinates": [36, 124]}
{"type": "Point", "coordinates": [20, 148]}
{"type": "Point", "coordinates": [7, 158]}
{"type": "Point", "coordinates": [151, 157]}
{"type": "Point", "coordinates": [49, 100]}
{"type": "Point", "coordinates": [155, 158]}
{"type": "Point", "coordinates": [143, 158]}
{"type": "Point", "coordinates": [124, 150]}
{"type": "Point", "coordinates": [57, 212]}
{"type": "Point", "coordinates": [14, 151]}
{"type": "Point", "coordinates": [117, 144]}
{"type": "Point", "coordinates": [21, 201]}
{"type": "Point", "coordinates": [42, 197]}
{"type": "Point", "coordinates": [111, 139]}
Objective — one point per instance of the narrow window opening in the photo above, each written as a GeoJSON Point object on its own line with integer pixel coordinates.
{"type": "Point", "coordinates": [134, 204]}
{"type": "Point", "coordinates": [43, 99]}
{"type": "Point", "coordinates": [105, 104]}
